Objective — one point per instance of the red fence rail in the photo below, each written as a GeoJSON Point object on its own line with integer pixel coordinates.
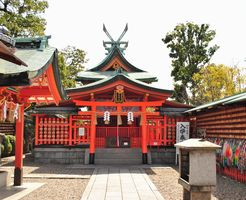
{"type": "Point", "coordinates": [62, 131]}
{"type": "Point", "coordinates": [52, 131]}
{"type": "Point", "coordinates": [236, 174]}
{"type": "Point", "coordinates": [161, 131]}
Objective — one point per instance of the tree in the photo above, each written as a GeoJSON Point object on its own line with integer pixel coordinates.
{"type": "Point", "coordinates": [22, 17]}
{"type": "Point", "coordinates": [71, 61]}
{"type": "Point", "coordinates": [189, 51]}
{"type": "Point", "coordinates": [214, 82]}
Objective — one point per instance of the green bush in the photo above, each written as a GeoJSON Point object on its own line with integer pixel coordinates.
{"type": "Point", "coordinates": [12, 142]}
{"type": "Point", "coordinates": [9, 149]}
{"type": "Point", "coordinates": [8, 145]}
{"type": "Point", "coordinates": [5, 146]}
{"type": "Point", "coordinates": [2, 150]}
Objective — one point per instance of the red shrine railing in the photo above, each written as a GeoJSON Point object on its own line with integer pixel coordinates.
{"type": "Point", "coordinates": [62, 131]}
{"type": "Point", "coordinates": [52, 131]}
{"type": "Point", "coordinates": [161, 131]}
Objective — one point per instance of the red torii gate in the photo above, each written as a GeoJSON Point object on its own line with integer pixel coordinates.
{"type": "Point", "coordinates": [37, 83]}
{"type": "Point", "coordinates": [94, 104]}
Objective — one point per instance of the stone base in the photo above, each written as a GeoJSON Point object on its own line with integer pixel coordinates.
{"type": "Point", "coordinates": [4, 179]}
{"type": "Point", "coordinates": [80, 155]}
{"type": "Point", "coordinates": [190, 195]}
{"type": "Point", "coordinates": [18, 176]}
{"type": "Point", "coordinates": [60, 155]}
{"type": "Point", "coordinates": [92, 158]}
{"type": "Point", "coordinates": [163, 156]}
{"type": "Point", "coordinates": [195, 192]}
{"type": "Point", "coordinates": [145, 158]}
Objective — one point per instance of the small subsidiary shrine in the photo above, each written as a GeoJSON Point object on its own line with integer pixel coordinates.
{"type": "Point", "coordinates": [115, 107]}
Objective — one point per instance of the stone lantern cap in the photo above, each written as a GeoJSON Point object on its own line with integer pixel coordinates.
{"type": "Point", "coordinates": [197, 144]}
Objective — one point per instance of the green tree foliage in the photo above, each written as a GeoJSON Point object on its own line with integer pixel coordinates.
{"type": "Point", "coordinates": [23, 17]}
{"type": "Point", "coordinates": [214, 82]}
{"type": "Point", "coordinates": [71, 61]}
{"type": "Point", "coordinates": [189, 51]}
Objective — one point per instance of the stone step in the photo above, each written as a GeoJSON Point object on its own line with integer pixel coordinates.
{"type": "Point", "coordinates": [115, 161]}
{"type": "Point", "coordinates": [119, 156]}
{"type": "Point", "coordinates": [118, 150]}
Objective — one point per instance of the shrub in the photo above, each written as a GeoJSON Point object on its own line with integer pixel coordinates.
{"type": "Point", "coordinates": [12, 142]}
{"type": "Point", "coordinates": [7, 145]}
{"type": "Point", "coordinates": [2, 150]}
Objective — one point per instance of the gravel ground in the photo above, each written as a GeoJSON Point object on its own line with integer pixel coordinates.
{"type": "Point", "coordinates": [53, 189]}
{"type": "Point", "coordinates": [166, 180]}
{"type": "Point", "coordinates": [57, 189]}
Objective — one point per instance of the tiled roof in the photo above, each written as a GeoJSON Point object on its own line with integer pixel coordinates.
{"type": "Point", "coordinates": [228, 100]}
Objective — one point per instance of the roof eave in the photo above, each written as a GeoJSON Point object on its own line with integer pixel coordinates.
{"type": "Point", "coordinates": [110, 56]}
{"type": "Point", "coordinates": [115, 78]}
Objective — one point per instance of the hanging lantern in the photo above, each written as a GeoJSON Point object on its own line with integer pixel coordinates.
{"type": "Point", "coordinates": [106, 117]}
{"type": "Point", "coordinates": [130, 118]}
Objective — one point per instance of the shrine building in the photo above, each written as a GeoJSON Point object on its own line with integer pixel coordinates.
{"type": "Point", "coordinates": [114, 112]}
{"type": "Point", "coordinates": [28, 74]}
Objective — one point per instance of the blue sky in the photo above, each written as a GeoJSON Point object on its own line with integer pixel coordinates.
{"type": "Point", "coordinates": [79, 23]}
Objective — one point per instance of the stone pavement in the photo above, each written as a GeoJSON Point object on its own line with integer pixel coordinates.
{"type": "Point", "coordinates": [120, 183]}
{"type": "Point", "coordinates": [17, 192]}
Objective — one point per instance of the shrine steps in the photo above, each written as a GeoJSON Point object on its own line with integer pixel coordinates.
{"type": "Point", "coordinates": [118, 156]}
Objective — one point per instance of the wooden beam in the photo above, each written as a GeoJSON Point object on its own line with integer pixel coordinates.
{"type": "Point", "coordinates": [35, 91]}
{"type": "Point", "coordinates": [111, 86]}
{"type": "Point", "coordinates": [101, 113]}
{"type": "Point", "coordinates": [130, 104]}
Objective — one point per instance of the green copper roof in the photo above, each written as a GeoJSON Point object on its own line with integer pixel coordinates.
{"type": "Point", "coordinates": [34, 58]}
{"type": "Point", "coordinates": [114, 53]}
{"type": "Point", "coordinates": [118, 76]}
{"type": "Point", "coordinates": [36, 53]}
{"type": "Point", "coordinates": [228, 100]}
{"type": "Point", "coordinates": [236, 100]}
{"type": "Point", "coordinates": [89, 75]}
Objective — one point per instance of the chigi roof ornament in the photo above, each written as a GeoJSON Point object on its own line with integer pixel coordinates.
{"type": "Point", "coordinates": [110, 45]}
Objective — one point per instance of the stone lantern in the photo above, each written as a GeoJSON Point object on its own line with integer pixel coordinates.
{"type": "Point", "coordinates": [197, 168]}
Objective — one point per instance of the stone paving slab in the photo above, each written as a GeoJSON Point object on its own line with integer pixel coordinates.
{"type": "Point", "coordinates": [55, 176]}
{"type": "Point", "coordinates": [95, 166]}
{"type": "Point", "coordinates": [18, 192]}
{"type": "Point", "coordinates": [120, 183]}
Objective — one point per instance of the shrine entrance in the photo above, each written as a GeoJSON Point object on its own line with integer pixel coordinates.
{"type": "Point", "coordinates": [118, 134]}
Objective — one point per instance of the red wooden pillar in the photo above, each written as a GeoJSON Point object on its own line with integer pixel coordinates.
{"type": "Point", "coordinates": [92, 136]}
{"type": "Point", "coordinates": [144, 136]}
{"type": "Point", "coordinates": [36, 130]}
{"type": "Point", "coordinates": [70, 130]}
{"type": "Point", "coordinates": [18, 174]}
{"type": "Point", "coordinates": [165, 130]}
